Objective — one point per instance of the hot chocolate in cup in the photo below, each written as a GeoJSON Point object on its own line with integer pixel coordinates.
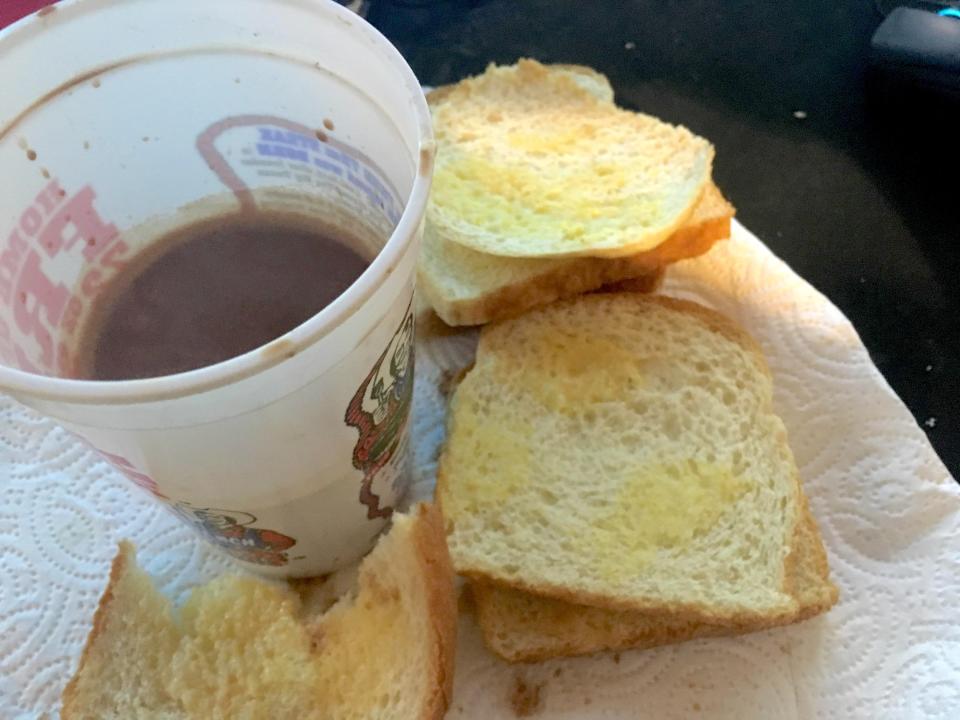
{"type": "Point", "coordinates": [208, 243]}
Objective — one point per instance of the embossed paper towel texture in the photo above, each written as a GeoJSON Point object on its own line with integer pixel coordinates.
{"type": "Point", "coordinates": [889, 512]}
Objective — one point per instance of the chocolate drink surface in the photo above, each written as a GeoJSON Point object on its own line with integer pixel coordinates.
{"type": "Point", "coordinates": [212, 290]}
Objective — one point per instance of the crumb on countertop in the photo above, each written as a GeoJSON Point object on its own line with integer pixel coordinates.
{"type": "Point", "coordinates": [525, 697]}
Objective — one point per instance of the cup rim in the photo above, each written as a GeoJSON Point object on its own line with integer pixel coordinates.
{"type": "Point", "coordinates": [259, 359]}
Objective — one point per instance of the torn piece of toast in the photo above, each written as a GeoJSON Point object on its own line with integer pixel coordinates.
{"type": "Point", "coordinates": [243, 647]}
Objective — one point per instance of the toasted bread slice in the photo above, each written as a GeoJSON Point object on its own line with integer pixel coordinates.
{"type": "Point", "coordinates": [534, 161]}
{"type": "Point", "coordinates": [593, 81]}
{"type": "Point", "coordinates": [242, 647]}
{"type": "Point", "coordinates": [620, 451]}
{"type": "Point", "coordinates": [521, 627]}
{"type": "Point", "coordinates": [466, 287]}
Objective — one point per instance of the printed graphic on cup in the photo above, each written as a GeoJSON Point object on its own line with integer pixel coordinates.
{"type": "Point", "coordinates": [51, 266]}
{"type": "Point", "coordinates": [380, 410]}
{"type": "Point", "coordinates": [256, 151]}
{"type": "Point", "coordinates": [233, 532]}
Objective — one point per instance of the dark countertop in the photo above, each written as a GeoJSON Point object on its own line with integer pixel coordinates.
{"type": "Point", "coordinates": [859, 195]}
{"type": "Point", "coordinates": [850, 196]}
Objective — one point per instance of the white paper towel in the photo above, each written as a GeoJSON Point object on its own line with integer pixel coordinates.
{"type": "Point", "coordinates": [888, 509]}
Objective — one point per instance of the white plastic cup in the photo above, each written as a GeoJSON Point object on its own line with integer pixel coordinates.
{"type": "Point", "coordinates": [119, 118]}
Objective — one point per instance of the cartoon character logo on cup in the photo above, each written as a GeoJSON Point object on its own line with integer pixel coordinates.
{"type": "Point", "coordinates": [379, 410]}
{"type": "Point", "coordinates": [230, 531]}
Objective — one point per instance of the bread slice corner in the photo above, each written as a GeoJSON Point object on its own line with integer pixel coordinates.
{"type": "Point", "coordinates": [397, 634]}
{"type": "Point", "coordinates": [132, 623]}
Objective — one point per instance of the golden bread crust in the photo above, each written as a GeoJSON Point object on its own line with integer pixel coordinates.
{"type": "Point", "coordinates": [125, 555]}
{"type": "Point", "coordinates": [644, 630]}
{"type": "Point", "coordinates": [434, 559]}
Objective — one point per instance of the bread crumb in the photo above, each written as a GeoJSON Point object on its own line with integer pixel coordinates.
{"type": "Point", "coordinates": [930, 422]}
{"type": "Point", "coordinates": [466, 604]}
{"type": "Point", "coordinates": [281, 348]}
{"type": "Point", "coordinates": [426, 160]}
{"type": "Point", "coordinates": [448, 381]}
{"type": "Point", "coordinates": [800, 114]}
{"type": "Point", "coordinates": [525, 699]}
{"type": "Point", "coordinates": [629, 45]}
{"type": "Point", "coordinates": [430, 325]}
{"type": "Point", "coordinates": [928, 368]}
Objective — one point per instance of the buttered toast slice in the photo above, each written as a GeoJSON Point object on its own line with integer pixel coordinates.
{"type": "Point", "coordinates": [593, 81]}
{"type": "Point", "coordinates": [466, 287]}
{"type": "Point", "coordinates": [521, 627]}
{"type": "Point", "coordinates": [535, 161]}
{"type": "Point", "coordinates": [620, 451]}
{"type": "Point", "coordinates": [242, 647]}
